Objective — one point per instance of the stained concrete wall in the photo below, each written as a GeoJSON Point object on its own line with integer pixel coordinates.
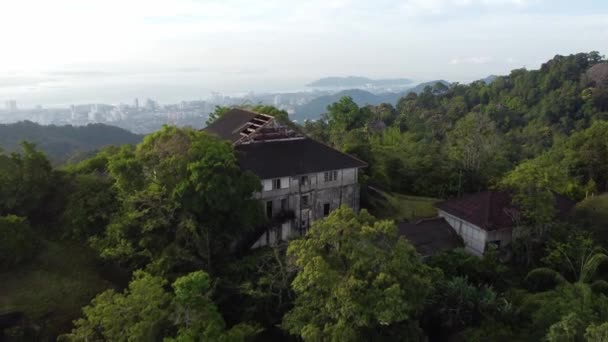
{"type": "Point", "coordinates": [475, 238]}
{"type": "Point", "coordinates": [343, 190]}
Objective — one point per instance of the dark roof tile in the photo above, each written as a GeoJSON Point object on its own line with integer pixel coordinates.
{"type": "Point", "coordinates": [282, 158]}
{"type": "Point", "coordinates": [430, 236]}
{"type": "Point", "coordinates": [491, 210]}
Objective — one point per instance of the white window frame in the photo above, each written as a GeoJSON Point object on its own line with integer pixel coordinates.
{"type": "Point", "coordinates": [331, 176]}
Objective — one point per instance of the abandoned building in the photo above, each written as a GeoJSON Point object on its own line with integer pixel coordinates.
{"type": "Point", "coordinates": [302, 179]}
{"type": "Point", "coordinates": [488, 218]}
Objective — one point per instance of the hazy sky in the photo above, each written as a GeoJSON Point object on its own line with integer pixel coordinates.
{"type": "Point", "coordinates": [74, 51]}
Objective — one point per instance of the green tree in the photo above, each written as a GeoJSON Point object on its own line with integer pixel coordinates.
{"type": "Point", "coordinates": [140, 313]}
{"type": "Point", "coordinates": [569, 329]}
{"type": "Point", "coordinates": [563, 313]}
{"type": "Point", "coordinates": [356, 278]}
{"type": "Point", "coordinates": [145, 311]}
{"type": "Point", "coordinates": [474, 144]}
{"type": "Point", "coordinates": [197, 317]}
{"type": "Point", "coordinates": [344, 116]}
{"type": "Point", "coordinates": [273, 111]}
{"type": "Point", "coordinates": [183, 202]}
{"type": "Point", "coordinates": [597, 332]}
{"type": "Point", "coordinates": [18, 243]}
{"type": "Point", "coordinates": [458, 304]}
{"type": "Point", "coordinates": [26, 184]}
{"type": "Point", "coordinates": [217, 113]}
{"type": "Point", "coordinates": [90, 199]}
{"type": "Point", "coordinates": [575, 260]}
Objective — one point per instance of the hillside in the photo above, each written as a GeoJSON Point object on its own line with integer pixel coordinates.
{"type": "Point", "coordinates": [313, 109]}
{"type": "Point", "coordinates": [61, 142]}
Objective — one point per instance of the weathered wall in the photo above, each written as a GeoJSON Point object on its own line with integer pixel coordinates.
{"type": "Point", "coordinates": [343, 190]}
{"type": "Point", "coordinates": [474, 237]}
{"type": "Point", "coordinates": [505, 236]}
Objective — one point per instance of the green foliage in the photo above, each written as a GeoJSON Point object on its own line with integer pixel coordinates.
{"type": "Point", "coordinates": [355, 276]}
{"type": "Point", "coordinates": [597, 333]}
{"type": "Point", "coordinates": [26, 183]}
{"type": "Point", "coordinates": [90, 203]}
{"type": "Point", "coordinates": [179, 192]}
{"type": "Point", "coordinates": [138, 314]}
{"type": "Point", "coordinates": [145, 311]}
{"type": "Point", "coordinates": [463, 138]}
{"type": "Point", "coordinates": [217, 113]}
{"type": "Point", "coordinates": [592, 214]}
{"type": "Point", "coordinates": [197, 317]}
{"type": "Point", "coordinates": [487, 270]}
{"type": "Point", "coordinates": [476, 148]}
{"type": "Point", "coordinates": [578, 300]}
{"type": "Point", "coordinates": [576, 259]}
{"type": "Point", "coordinates": [569, 328]}
{"type": "Point", "coordinates": [345, 116]}
{"type": "Point", "coordinates": [18, 243]}
{"type": "Point", "coordinates": [279, 114]}
{"type": "Point", "coordinates": [263, 279]}
{"type": "Point", "coordinates": [459, 304]}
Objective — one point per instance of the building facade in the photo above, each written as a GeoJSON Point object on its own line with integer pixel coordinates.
{"type": "Point", "coordinates": [303, 180]}
{"type": "Point", "coordinates": [309, 197]}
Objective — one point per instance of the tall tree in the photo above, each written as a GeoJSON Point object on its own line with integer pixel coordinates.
{"type": "Point", "coordinates": [474, 144]}
{"type": "Point", "coordinates": [356, 279]}
{"type": "Point", "coordinates": [145, 311]}
{"type": "Point", "coordinates": [217, 113]}
{"type": "Point", "coordinates": [26, 184]}
{"type": "Point", "coordinates": [140, 313]}
{"type": "Point", "coordinates": [184, 201]}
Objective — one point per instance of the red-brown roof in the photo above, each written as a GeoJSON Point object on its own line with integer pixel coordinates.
{"type": "Point", "coordinates": [491, 210]}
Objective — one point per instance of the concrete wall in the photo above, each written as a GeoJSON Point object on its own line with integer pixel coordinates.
{"type": "Point", "coordinates": [505, 236]}
{"type": "Point", "coordinates": [343, 190]}
{"type": "Point", "coordinates": [475, 238]}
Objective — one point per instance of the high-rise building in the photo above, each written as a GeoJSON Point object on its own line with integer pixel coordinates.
{"type": "Point", "coordinates": [11, 105]}
{"type": "Point", "coordinates": [136, 103]}
{"type": "Point", "coordinates": [151, 105]}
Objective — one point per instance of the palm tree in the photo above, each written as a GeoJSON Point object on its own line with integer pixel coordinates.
{"type": "Point", "coordinates": [583, 266]}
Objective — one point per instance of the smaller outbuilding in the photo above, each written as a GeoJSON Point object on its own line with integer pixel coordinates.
{"type": "Point", "coordinates": [488, 218]}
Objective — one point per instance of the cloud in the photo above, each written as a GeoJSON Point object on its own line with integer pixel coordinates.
{"type": "Point", "coordinates": [471, 60]}
{"type": "Point", "coordinates": [22, 81]}
{"type": "Point", "coordinates": [435, 7]}
{"type": "Point", "coordinates": [83, 73]}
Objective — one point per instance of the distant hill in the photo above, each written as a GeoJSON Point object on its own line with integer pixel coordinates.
{"type": "Point", "coordinates": [356, 81]}
{"type": "Point", "coordinates": [62, 142]}
{"type": "Point", "coordinates": [420, 87]}
{"type": "Point", "coordinates": [312, 110]}
{"type": "Point", "coordinates": [489, 79]}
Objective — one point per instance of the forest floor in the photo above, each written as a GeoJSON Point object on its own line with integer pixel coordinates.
{"type": "Point", "coordinates": [400, 207]}
{"type": "Point", "coordinates": [54, 286]}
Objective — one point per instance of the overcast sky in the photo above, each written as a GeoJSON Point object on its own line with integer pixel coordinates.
{"type": "Point", "coordinates": [74, 51]}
